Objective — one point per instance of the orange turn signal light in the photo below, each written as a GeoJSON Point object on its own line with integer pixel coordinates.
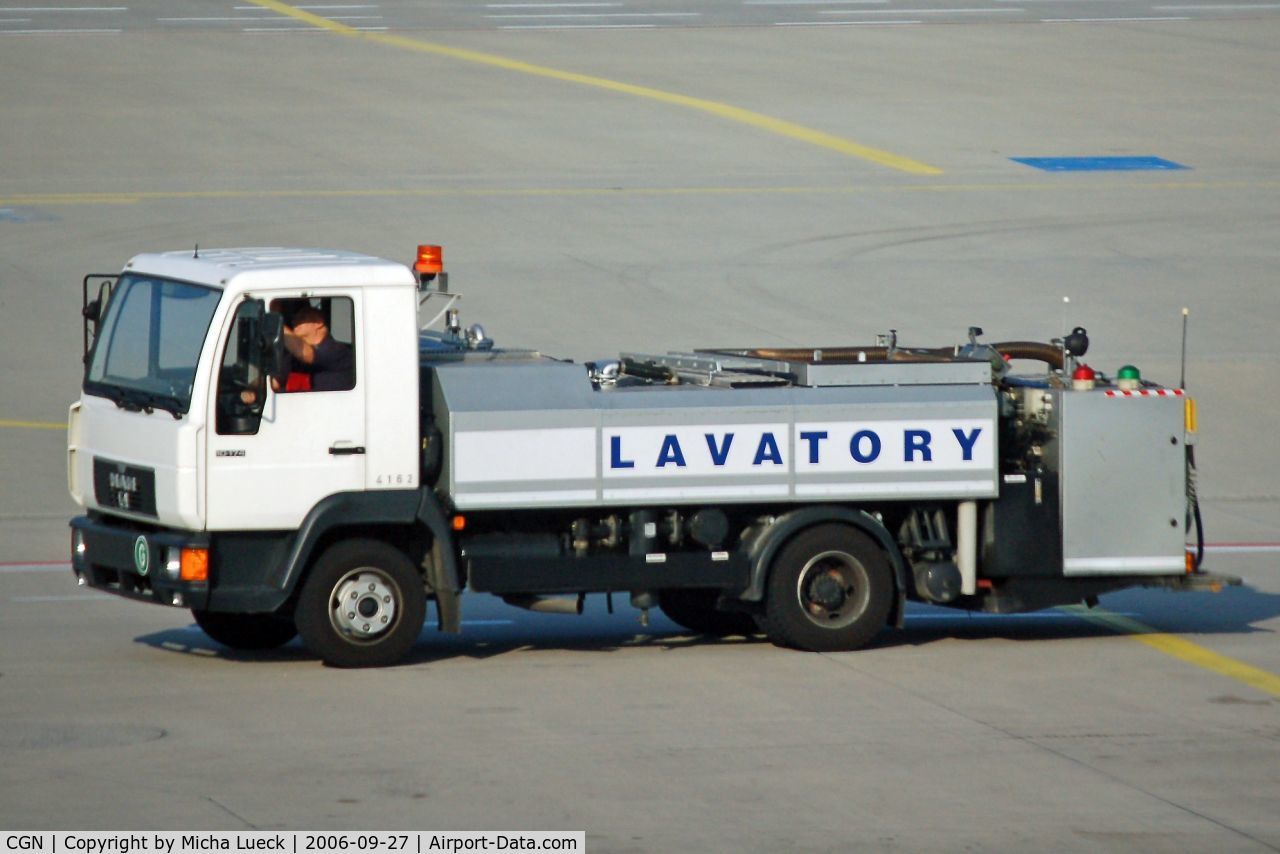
{"type": "Point", "coordinates": [430, 260]}
{"type": "Point", "coordinates": [194, 565]}
{"type": "Point", "coordinates": [459, 523]}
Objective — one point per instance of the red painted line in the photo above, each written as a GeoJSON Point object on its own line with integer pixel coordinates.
{"type": "Point", "coordinates": [1220, 545]}
{"type": "Point", "coordinates": [1242, 547]}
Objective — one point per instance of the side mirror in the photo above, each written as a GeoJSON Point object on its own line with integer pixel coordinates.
{"type": "Point", "coordinates": [91, 310]}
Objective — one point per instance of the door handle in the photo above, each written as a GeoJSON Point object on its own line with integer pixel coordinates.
{"type": "Point", "coordinates": [346, 450]}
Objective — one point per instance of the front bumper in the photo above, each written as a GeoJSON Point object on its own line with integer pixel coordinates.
{"type": "Point", "coordinates": [128, 559]}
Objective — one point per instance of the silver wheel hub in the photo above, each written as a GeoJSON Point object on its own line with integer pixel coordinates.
{"type": "Point", "coordinates": [833, 589]}
{"type": "Point", "coordinates": [363, 605]}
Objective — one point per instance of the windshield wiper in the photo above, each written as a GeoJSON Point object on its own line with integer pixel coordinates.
{"type": "Point", "coordinates": [133, 400]}
{"type": "Point", "coordinates": [169, 404]}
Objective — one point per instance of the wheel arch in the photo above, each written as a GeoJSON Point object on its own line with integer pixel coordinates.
{"type": "Point", "coordinates": [763, 546]}
{"type": "Point", "coordinates": [411, 520]}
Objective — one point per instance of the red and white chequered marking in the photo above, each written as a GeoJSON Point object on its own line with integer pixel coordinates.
{"type": "Point", "coordinates": [1146, 392]}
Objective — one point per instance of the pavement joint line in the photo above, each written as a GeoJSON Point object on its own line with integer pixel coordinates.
{"type": "Point", "coordinates": [1180, 648]}
{"type": "Point", "coordinates": [729, 112]}
{"type": "Point", "coordinates": [1068, 185]}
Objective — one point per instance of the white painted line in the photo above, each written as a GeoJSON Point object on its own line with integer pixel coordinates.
{"type": "Point", "coordinates": [1216, 6]}
{"type": "Point", "coordinates": [15, 20]}
{"type": "Point", "coordinates": [246, 18]}
{"type": "Point", "coordinates": [550, 15]}
{"type": "Point", "coordinates": [259, 31]}
{"type": "Point", "coordinates": [1105, 20]}
{"type": "Point", "coordinates": [843, 23]}
{"type": "Point", "coordinates": [918, 11]}
{"type": "Point", "coordinates": [68, 9]}
{"type": "Point", "coordinates": [814, 2]}
{"type": "Point", "coordinates": [550, 5]}
{"type": "Point", "coordinates": [335, 7]}
{"type": "Point", "coordinates": [576, 26]}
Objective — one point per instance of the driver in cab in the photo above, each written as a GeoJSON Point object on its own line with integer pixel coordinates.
{"type": "Point", "coordinates": [324, 363]}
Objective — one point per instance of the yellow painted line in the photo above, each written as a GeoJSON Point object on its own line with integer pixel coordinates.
{"type": "Point", "coordinates": [1181, 649]}
{"type": "Point", "coordinates": [715, 108]}
{"type": "Point", "coordinates": [32, 425]}
{"type": "Point", "coordinates": [114, 198]}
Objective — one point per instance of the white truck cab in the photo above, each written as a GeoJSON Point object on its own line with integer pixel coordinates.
{"type": "Point", "coordinates": [162, 435]}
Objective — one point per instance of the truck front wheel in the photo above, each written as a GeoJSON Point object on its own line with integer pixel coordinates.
{"type": "Point", "coordinates": [246, 631]}
{"type": "Point", "coordinates": [829, 589]}
{"type": "Point", "coordinates": [363, 605]}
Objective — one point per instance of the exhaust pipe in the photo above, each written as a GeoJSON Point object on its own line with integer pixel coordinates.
{"type": "Point", "coordinates": [967, 547]}
{"type": "Point", "coordinates": [546, 604]}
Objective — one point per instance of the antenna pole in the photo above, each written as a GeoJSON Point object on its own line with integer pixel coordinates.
{"type": "Point", "coordinates": [1182, 377]}
{"type": "Point", "coordinates": [1066, 301]}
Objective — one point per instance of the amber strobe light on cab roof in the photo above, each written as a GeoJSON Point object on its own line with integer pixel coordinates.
{"type": "Point", "coordinates": [430, 260]}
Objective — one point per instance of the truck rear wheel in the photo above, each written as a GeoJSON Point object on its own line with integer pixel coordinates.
{"type": "Point", "coordinates": [363, 605]}
{"type": "Point", "coordinates": [696, 611]}
{"type": "Point", "coordinates": [246, 631]}
{"type": "Point", "coordinates": [829, 589]}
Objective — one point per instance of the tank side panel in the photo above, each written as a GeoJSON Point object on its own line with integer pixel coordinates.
{"type": "Point", "coordinates": [540, 436]}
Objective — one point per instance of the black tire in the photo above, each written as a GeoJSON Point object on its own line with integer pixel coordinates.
{"type": "Point", "coordinates": [696, 611]}
{"type": "Point", "coordinates": [246, 631]}
{"type": "Point", "coordinates": [830, 588]}
{"type": "Point", "coordinates": [386, 605]}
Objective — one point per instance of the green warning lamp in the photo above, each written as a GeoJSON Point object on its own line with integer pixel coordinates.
{"type": "Point", "coordinates": [1128, 378]}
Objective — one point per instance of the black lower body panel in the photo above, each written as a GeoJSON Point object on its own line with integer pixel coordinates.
{"type": "Point", "coordinates": [606, 572]}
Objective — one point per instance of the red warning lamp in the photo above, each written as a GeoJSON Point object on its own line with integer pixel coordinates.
{"type": "Point", "coordinates": [1084, 378]}
{"type": "Point", "coordinates": [1084, 372]}
{"type": "Point", "coordinates": [430, 260]}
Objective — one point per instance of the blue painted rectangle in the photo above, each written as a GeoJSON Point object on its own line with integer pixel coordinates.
{"type": "Point", "coordinates": [1098, 164]}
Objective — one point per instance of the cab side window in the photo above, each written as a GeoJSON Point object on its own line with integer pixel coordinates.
{"type": "Point", "coordinates": [320, 338]}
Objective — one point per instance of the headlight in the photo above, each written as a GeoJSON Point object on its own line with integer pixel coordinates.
{"type": "Point", "coordinates": [172, 561]}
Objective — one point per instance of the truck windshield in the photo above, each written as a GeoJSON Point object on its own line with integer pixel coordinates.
{"type": "Point", "coordinates": [149, 342]}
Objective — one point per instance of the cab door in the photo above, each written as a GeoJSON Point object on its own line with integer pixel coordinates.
{"type": "Point", "coordinates": [267, 472]}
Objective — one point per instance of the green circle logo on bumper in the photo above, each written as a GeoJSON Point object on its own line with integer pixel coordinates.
{"type": "Point", "coordinates": [141, 555]}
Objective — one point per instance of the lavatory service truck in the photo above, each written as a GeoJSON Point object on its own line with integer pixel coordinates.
{"type": "Point", "coordinates": [806, 493]}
